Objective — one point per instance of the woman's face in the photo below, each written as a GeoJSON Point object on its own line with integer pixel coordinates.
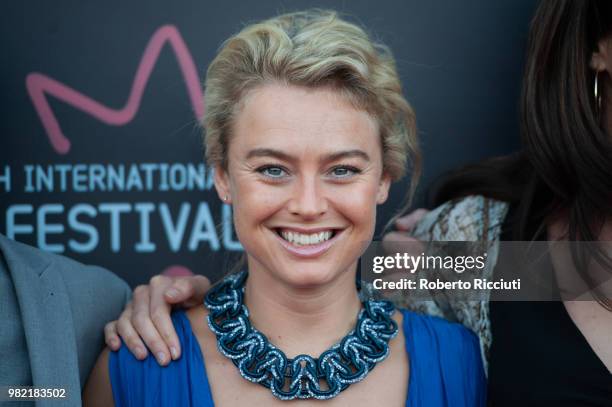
{"type": "Point", "coordinates": [304, 177]}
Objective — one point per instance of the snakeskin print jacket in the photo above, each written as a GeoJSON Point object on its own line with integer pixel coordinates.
{"type": "Point", "coordinates": [474, 218]}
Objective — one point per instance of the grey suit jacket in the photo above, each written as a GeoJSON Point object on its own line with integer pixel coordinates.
{"type": "Point", "coordinates": [64, 306]}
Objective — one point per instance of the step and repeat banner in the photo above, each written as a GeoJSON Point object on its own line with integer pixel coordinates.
{"type": "Point", "coordinates": [101, 154]}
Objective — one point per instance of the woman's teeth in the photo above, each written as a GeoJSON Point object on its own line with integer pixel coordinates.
{"type": "Point", "coordinates": [303, 239]}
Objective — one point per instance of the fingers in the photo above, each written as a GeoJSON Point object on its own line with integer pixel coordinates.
{"type": "Point", "coordinates": [188, 291]}
{"type": "Point", "coordinates": [111, 338]}
{"type": "Point", "coordinates": [159, 313]}
{"type": "Point", "coordinates": [147, 320]}
{"type": "Point", "coordinates": [408, 222]}
{"type": "Point", "coordinates": [201, 286]}
{"type": "Point", "coordinates": [142, 321]}
{"type": "Point", "coordinates": [184, 289]}
{"type": "Point", "coordinates": [396, 242]}
{"type": "Point", "coordinates": [400, 237]}
{"type": "Point", "coordinates": [164, 291]}
{"type": "Point", "coordinates": [128, 334]}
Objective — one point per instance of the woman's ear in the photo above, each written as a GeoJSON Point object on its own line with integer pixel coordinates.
{"type": "Point", "coordinates": [383, 189]}
{"type": "Point", "coordinates": [222, 184]}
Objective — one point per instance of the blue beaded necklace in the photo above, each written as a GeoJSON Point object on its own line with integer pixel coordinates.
{"type": "Point", "coordinates": [302, 377]}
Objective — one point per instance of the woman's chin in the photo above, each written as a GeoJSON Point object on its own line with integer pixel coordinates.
{"type": "Point", "coordinates": [310, 276]}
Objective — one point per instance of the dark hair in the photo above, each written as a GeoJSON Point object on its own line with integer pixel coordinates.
{"type": "Point", "coordinates": [565, 165]}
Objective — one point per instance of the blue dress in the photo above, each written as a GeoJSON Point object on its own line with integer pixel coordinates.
{"type": "Point", "coordinates": [445, 369]}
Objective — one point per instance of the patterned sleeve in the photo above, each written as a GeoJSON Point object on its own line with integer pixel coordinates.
{"type": "Point", "coordinates": [473, 218]}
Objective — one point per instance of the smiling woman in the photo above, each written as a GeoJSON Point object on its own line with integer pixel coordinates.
{"type": "Point", "coordinates": [306, 128]}
{"type": "Point", "coordinates": [303, 161]}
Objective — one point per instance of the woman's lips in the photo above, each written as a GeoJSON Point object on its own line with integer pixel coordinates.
{"type": "Point", "coordinates": [311, 250]}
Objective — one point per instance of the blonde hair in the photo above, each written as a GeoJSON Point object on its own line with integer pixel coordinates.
{"type": "Point", "coordinates": [313, 48]}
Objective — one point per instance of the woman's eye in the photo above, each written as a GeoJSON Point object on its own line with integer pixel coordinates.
{"type": "Point", "coordinates": [273, 172]}
{"type": "Point", "coordinates": [343, 172]}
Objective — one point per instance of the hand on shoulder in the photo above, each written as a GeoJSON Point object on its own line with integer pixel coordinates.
{"type": "Point", "coordinates": [146, 324]}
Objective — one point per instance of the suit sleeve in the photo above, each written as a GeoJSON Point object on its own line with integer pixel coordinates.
{"type": "Point", "coordinates": [97, 296]}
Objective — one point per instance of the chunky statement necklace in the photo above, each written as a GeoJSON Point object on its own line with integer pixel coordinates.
{"type": "Point", "coordinates": [302, 377]}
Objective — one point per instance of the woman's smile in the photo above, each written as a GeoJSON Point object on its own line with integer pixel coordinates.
{"type": "Point", "coordinates": [308, 243]}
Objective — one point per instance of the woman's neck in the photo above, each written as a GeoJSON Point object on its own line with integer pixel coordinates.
{"type": "Point", "coordinates": [302, 320]}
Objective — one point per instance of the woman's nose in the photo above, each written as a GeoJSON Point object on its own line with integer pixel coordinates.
{"type": "Point", "coordinates": [308, 199]}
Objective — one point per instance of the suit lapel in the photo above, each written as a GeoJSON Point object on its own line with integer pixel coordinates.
{"type": "Point", "coordinates": [47, 322]}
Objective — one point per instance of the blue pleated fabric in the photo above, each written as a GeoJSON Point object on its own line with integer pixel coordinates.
{"type": "Point", "coordinates": [445, 369]}
{"type": "Point", "coordinates": [445, 363]}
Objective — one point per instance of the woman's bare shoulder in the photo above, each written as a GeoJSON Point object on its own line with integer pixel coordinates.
{"type": "Point", "coordinates": [197, 317]}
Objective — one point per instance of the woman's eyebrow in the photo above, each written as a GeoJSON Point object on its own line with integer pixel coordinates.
{"type": "Point", "coordinates": [270, 152]}
{"type": "Point", "coordinates": [347, 154]}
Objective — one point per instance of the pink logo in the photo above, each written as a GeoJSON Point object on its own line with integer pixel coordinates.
{"type": "Point", "coordinates": [39, 85]}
